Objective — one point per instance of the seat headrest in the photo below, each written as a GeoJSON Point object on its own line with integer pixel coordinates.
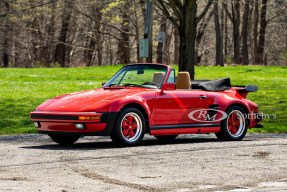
{"type": "Point", "coordinates": [183, 80]}
{"type": "Point", "coordinates": [158, 78]}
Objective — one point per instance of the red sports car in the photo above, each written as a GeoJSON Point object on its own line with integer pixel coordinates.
{"type": "Point", "coordinates": [149, 98]}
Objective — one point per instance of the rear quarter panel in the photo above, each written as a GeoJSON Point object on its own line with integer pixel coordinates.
{"type": "Point", "coordinates": [227, 98]}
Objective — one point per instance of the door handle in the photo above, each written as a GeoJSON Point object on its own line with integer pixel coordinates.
{"type": "Point", "coordinates": [202, 97]}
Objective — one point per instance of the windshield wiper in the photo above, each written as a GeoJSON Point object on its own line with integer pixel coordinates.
{"type": "Point", "coordinates": [131, 84]}
{"type": "Point", "coordinates": [112, 85]}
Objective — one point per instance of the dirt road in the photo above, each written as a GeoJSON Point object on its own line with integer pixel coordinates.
{"type": "Point", "coordinates": [191, 163]}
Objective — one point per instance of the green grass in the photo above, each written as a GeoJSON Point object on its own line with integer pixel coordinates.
{"type": "Point", "coordinates": [24, 89]}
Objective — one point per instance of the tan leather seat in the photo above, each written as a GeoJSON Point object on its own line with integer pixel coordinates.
{"type": "Point", "coordinates": [158, 78]}
{"type": "Point", "coordinates": [183, 80]}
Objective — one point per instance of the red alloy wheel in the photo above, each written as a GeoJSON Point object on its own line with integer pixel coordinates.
{"type": "Point", "coordinates": [236, 123]}
{"type": "Point", "coordinates": [131, 126]}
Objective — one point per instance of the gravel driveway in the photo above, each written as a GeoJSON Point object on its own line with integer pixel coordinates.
{"type": "Point", "coordinates": [191, 163]}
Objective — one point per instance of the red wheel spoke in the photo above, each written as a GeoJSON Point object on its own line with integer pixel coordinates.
{"type": "Point", "coordinates": [134, 125]}
{"type": "Point", "coordinates": [125, 124]}
{"type": "Point", "coordinates": [234, 130]}
{"type": "Point", "coordinates": [237, 123]}
{"type": "Point", "coordinates": [126, 132]}
{"type": "Point", "coordinates": [234, 117]}
{"type": "Point", "coordinates": [132, 133]}
{"type": "Point", "coordinates": [130, 120]}
{"type": "Point", "coordinates": [230, 126]}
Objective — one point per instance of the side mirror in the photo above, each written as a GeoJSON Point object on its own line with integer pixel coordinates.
{"type": "Point", "coordinates": [168, 87]}
{"type": "Point", "coordinates": [103, 84]}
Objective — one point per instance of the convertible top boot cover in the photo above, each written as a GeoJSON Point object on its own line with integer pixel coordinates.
{"type": "Point", "coordinates": [216, 85]}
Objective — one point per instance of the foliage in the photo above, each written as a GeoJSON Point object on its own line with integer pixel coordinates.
{"type": "Point", "coordinates": [24, 89]}
{"type": "Point", "coordinates": [103, 32]}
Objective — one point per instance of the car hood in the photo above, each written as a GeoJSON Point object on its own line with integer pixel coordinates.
{"type": "Point", "coordinates": [86, 101]}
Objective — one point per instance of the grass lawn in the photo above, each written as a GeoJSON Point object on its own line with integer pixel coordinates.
{"type": "Point", "coordinates": [24, 89]}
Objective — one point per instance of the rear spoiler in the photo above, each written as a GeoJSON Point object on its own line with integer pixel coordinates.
{"type": "Point", "coordinates": [243, 91]}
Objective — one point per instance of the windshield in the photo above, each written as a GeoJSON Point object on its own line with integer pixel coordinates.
{"type": "Point", "coordinates": [150, 76]}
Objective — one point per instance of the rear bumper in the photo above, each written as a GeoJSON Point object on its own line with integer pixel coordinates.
{"type": "Point", "coordinates": [259, 126]}
{"type": "Point", "coordinates": [256, 119]}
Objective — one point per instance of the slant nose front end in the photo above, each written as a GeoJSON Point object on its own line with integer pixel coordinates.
{"type": "Point", "coordinates": [80, 122]}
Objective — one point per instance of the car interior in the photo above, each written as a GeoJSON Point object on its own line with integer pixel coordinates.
{"type": "Point", "coordinates": [184, 82]}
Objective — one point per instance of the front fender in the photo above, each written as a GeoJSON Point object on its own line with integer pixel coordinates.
{"type": "Point", "coordinates": [145, 100]}
{"type": "Point", "coordinates": [118, 105]}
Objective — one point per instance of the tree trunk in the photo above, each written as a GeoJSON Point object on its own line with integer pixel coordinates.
{"type": "Point", "coordinates": [262, 32]}
{"type": "Point", "coordinates": [137, 27]}
{"type": "Point", "coordinates": [219, 46]}
{"type": "Point", "coordinates": [95, 41]}
{"type": "Point", "coordinates": [159, 50]}
{"type": "Point", "coordinates": [50, 36]}
{"type": "Point", "coordinates": [166, 48]}
{"type": "Point", "coordinates": [123, 53]}
{"type": "Point", "coordinates": [226, 42]}
{"type": "Point", "coordinates": [245, 26]}
{"type": "Point", "coordinates": [89, 53]}
{"type": "Point", "coordinates": [99, 38]}
{"type": "Point", "coordinates": [5, 54]}
{"type": "Point", "coordinates": [60, 51]}
{"type": "Point", "coordinates": [202, 28]}
{"type": "Point", "coordinates": [236, 30]}
{"type": "Point", "coordinates": [176, 47]}
{"type": "Point", "coordinates": [187, 33]}
{"type": "Point", "coordinates": [255, 30]}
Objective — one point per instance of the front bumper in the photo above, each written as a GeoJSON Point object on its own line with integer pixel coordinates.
{"type": "Point", "coordinates": [65, 122]}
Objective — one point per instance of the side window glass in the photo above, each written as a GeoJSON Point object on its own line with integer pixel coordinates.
{"type": "Point", "coordinates": [171, 78]}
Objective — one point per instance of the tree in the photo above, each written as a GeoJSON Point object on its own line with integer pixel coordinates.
{"type": "Point", "coordinates": [61, 47]}
{"type": "Point", "coordinates": [260, 56]}
{"type": "Point", "coordinates": [5, 55]}
{"type": "Point", "coordinates": [245, 26]}
{"type": "Point", "coordinates": [262, 31]}
{"type": "Point", "coordinates": [236, 30]}
{"type": "Point", "coordinates": [123, 52]}
{"type": "Point", "coordinates": [200, 33]}
{"type": "Point", "coordinates": [218, 32]}
{"type": "Point", "coordinates": [95, 38]}
{"type": "Point", "coordinates": [183, 15]}
{"type": "Point", "coordinates": [159, 50]}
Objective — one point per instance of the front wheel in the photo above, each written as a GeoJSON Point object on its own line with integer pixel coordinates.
{"type": "Point", "coordinates": [130, 127]}
{"type": "Point", "coordinates": [234, 126]}
{"type": "Point", "coordinates": [64, 139]}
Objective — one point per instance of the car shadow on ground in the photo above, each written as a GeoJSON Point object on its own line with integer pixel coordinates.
{"type": "Point", "coordinates": [106, 144]}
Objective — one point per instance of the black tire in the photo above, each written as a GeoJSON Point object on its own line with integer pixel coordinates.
{"type": "Point", "coordinates": [166, 137]}
{"type": "Point", "coordinates": [130, 127]}
{"type": "Point", "coordinates": [234, 126]}
{"type": "Point", "coordinates": [64, 139]}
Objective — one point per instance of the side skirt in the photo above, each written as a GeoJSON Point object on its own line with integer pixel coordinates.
{"type": "Point", "coordinates": [184, 129]}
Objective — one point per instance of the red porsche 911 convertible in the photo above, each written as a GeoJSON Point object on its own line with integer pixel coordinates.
{"type": "Point", "coordinates": [149, 98]}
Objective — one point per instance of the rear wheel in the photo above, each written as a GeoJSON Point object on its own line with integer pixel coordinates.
{"type": "Point", "coordinates": [130, 127]}
{"type": "Point", "coordinates": [234, 127]}
{"type": "Point", "coordinates": [64, 139]}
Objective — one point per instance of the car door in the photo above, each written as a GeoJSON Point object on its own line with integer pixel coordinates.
{"type": "Point", "coordinates": [173, 107]}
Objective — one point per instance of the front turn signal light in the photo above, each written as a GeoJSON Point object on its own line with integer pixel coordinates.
{"type": "Point", "coordinates": [89, 118]}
